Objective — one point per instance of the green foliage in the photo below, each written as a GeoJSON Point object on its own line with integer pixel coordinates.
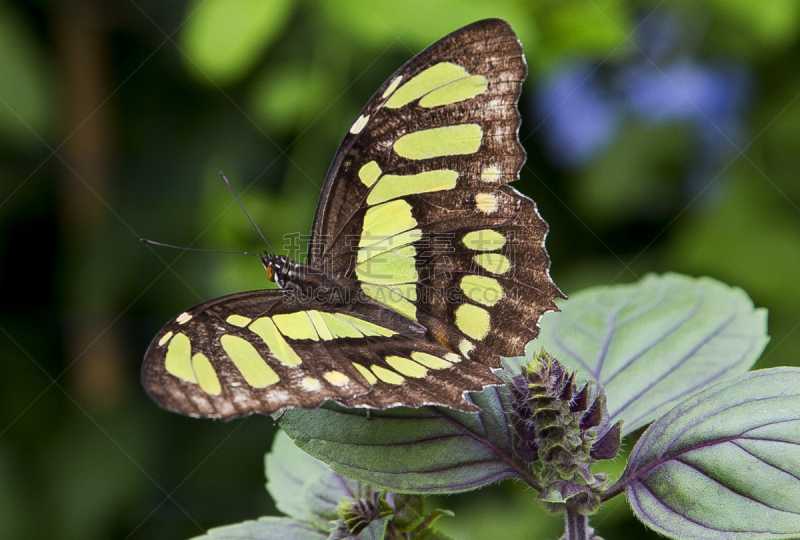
{"type": "Point", "coordinates": [749, 238]}
{"type": "Point", "coordinates": [710, 464]}
{"type": "Point", "coordinates": [323, 504]}
{"type": "Point", "coordinates": [372, 22]}
{"type": "Point", "coordinates": [427, 450]}
{"type": "Point", "coordinates": [652, 343]}
{"type": "Point", "coordinates": [723, 463]}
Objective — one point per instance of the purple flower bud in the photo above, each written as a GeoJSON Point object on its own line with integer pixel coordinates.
{"type": "Point", "coordinates": [608, 444]}
{"type": "Point", "coordinates": [594, 415]}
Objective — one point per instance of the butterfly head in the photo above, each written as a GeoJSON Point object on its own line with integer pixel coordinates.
{"type": "Point", "coordinates": [280, 269]}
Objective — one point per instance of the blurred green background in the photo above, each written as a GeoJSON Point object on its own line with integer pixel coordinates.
{"type": "Point", "coordinates": [662, 136]}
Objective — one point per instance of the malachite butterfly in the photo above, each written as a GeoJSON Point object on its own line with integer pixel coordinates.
{"type": "Point", "coordinates": [424, 267]}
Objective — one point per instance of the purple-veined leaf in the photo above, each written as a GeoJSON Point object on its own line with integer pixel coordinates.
{"type": "Point", "coordinates": [409, 512]}
{"type": "Point", "coordinates": [652, 343]}
{"type": "Point", "coordinates": [375, 530]}
{"type": "Point", "coordinates": [266, 528]}
{"type": "Point", "coordinates": [304, 488]}
{"type": "Point", "coordinates": [724, 464]}
{"type": "Point", "coordinates": [425, 450]}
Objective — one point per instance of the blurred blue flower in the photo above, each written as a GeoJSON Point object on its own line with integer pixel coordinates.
{"type": "Point", "coordinates": [581, 107]}
{"type": "Point", "coordinates": [576, 114]}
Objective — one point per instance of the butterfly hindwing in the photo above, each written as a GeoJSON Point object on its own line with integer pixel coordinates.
{"type": "Point", "coordinates": [416, 207]}
{"type": "Point", "coordinates": [260, 351]}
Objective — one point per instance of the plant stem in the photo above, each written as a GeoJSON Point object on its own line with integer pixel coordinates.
{"type": "Point", "coordinates": [577, 526]}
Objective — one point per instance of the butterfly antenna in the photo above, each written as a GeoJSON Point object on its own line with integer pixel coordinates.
{"type": "Point", "coordinates": [152, 243]}
{"type": "Point", "coordinates": [245, 211]}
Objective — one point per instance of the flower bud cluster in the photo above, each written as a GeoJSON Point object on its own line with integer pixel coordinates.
{"type": "Point", "coordinates": [561, 431]}
{"type": "Point", "coordinates": [355, 515]}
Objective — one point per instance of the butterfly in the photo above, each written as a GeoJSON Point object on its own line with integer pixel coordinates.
{"type": "Point", "coordinates": [424, 267]}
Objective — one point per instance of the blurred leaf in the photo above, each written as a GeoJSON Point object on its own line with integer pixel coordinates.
{"type": "Point", "coordinates": [95, 466]}
{"type": "Point", "coordinates": [765, 25]}
{"type": "Point", "coordinates": [584, 26]}
{"type": "Point", "coordinates": [291, 475]}
{"type": "Point", "coordinates": [287, 98]}
{"type": "Point", "coordinates": [724, 464]}
{"type": "Point", "coordinates": [225, 38]}
{"type": "Point", "coordinates": [652, 343]}
{"type": "Point", "coordinates": [425, 450]}
{"type": "Point", "coordinates": [774, 152]}
{"type": "Point", "coordinates": [26, 85]}
{"type": "Point", "coordinates": [751, 239]}
{"type": "Point", "coordinates": [266, 528]}
{"type": "Point", "coordinates": [419, 23]}
{"type": "Point", "coordinates": [634, 178]}
{"type": "Point", "coordinates": [431, 534]}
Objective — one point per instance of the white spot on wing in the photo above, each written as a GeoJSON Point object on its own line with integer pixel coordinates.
{"type": "Point", "coordinates": [183, 318]}
{"type": "Point", "coordinates": [359, 124]}
{"type": "Point", "coordinates": [166, 337]}
{"type": "Point", "coordinates": [491, 174]}
{"type": "Point", "coordinates": [452, 357]}
{"type": "Point", "coordinates": [486, 202]}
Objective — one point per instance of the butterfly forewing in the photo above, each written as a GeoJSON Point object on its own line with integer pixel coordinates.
{"type": "Point", "coordinates": [415, 205]}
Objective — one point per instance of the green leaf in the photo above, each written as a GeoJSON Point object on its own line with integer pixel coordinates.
{"type": "Point", "coordinates": [425, 529]}
{"type": "Point", "coordinates": [375, 530]}
{"type": "Point", "coordinates": [652, 343]}
{"type": "Point", "coordinates": [409, 512]}
{"type": "Point", "coordinates": [304, 488]}
{"type": "Point", "coordinates": [225, 38]}
{"type": "Point", "coordinates": [723, 464]}
{"type": "Point", "coordinates": [266, 528]}
{"type": "Point", "coordinates": [431, 534]}
{"type": "Point", "coordinates": [289, 471]}
{"type": "Point", "coordinates": [759, 25]}
{"type": "Point", "coordinates": [425, 450]}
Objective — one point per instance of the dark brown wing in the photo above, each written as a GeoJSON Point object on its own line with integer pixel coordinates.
{"type": "Point", "coordinates": [261, 352]}
{"type": "Point", "coordinates": [420, 174]}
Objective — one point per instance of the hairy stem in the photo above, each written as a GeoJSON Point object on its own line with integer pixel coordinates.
{"type": "Point", "coordinates": [577, 526]}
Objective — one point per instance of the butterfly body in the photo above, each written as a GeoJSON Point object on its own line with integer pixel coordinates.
{"type": "Point", "coordinates": [424, 267]}
{"type": "Point", "coordinates": [305, 286]}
